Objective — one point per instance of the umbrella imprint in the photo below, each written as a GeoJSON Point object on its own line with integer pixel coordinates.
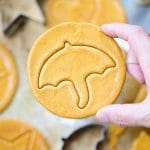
{"type": "Point", "coordinates": [69, 61]}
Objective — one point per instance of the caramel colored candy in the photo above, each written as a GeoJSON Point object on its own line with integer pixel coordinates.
{"type": "Point", "coordinates": [8, 77]}
{"type": "Point", "coordinates": [93, 11]}
{"type": "Point", "coordinates": [123, 138]}
{"type": "Point", "coordinates": [142, 142]}
{"type": "Point", "coordinates": [141, 95]}
{"type": "Point", "coordinates": [114, 134]}
{"type": "Point", "coordinates": [75, 69]}
{"type": "Point", "coordinates": [16, 135]}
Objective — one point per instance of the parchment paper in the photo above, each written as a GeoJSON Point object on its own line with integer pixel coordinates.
{"type": "Point", "coordinates": [26, 108]}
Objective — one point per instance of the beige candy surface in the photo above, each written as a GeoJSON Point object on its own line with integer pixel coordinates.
{"type": "Point", "coordinates": [16, 135]}
{"type": "Point", "coordinates": [75, 66]}
{"type": "Point", "coordinates": [8, 77]}
{"type": "Point", "coordinates": [93, 11]}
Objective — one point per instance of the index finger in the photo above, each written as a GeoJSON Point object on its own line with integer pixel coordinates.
{"type": "Point", "coordinates": [138, 40]}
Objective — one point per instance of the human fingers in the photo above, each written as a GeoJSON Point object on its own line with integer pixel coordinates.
{"type": "Point", "coordinates": [125, 115]}
{"type": "Point", "coordinates": [139, 43]}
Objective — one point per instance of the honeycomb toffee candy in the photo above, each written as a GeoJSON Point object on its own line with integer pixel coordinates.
{"type": "Point", "coordinates": [16, 135]}
{"type": "Point", "coordinates": [8, 77]}
{"type": "Point", "coordinates": [75, 69]}
{"type": "Point", "coordinates": [93, 11]}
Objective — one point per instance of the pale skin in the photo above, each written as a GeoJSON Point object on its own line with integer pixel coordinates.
{"type": "Point", "coordinates": [138, 65]}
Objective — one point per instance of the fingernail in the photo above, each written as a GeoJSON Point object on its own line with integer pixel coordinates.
{"type": "Point", "coordinates": [102, 27]}
{"type": "Point", "coordinates": [101, 117]}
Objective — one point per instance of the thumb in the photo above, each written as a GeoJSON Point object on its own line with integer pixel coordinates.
{"type": "Point", "coordinates": [126, 114]}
